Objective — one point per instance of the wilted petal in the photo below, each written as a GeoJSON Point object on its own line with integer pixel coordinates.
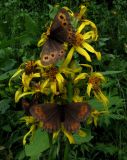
{"type": "Point", "coordinates": [98, 75]}
{"type": "Point", "coordinates": [91, 49]}
{"type": "Point", "coordinates": [88, 66]}
{"type": "Point", "coordinates": [15, 75]}
{"type": "Point", "coordinates": [89, 87]}
{"type": "Point", "coordinates": [42, 40]}
{"type": "Point", "coordinates": [26, 79]}
{"type": "Point", "coordinates": [69, 136]}
{"type": "Point", "coordinates": [83, 53]}
{"type": "Point", "coordinates": [82, 11]}
{"type": "Point", "coordinates": [32, 129]}
{"type": "Point", "coordinates": [44, 84]}
{"type": "Point", "coordinates": [55, 134]}
{"type": "Point", "coordinates": [101, 97]}
{"type": "Point", "coordinates": [19, 94]}
{"type": "Point", "coordinates": [69, 57]}
{"type": "Point", "coordinates": [53, 87]}
{"type": "Point", "coordinates": [69, 11]}
{"type": "Point", "coordinates": [60, 81]}
{"type": "Point", "coordinates": [27, 119]}
{"type": "Point", "coordinates": [90, 35]}
{"type": "Point", "coordinates": [80, 76]}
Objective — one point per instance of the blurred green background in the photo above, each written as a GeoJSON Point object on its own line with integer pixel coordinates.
{"type": "Point", "coordinates": [21, 25]}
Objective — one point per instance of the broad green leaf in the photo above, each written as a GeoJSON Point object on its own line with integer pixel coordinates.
{"type": "Point", "coordinates": [111, 72]}
{"type": "Point", "coordinates": [86, 138]}
{"type": "Point", "coordinates": [39, 143]}
{"type": "Point", "coordinates": [4, 105]}
{"type": "Point", "coordinates": [106, 148]}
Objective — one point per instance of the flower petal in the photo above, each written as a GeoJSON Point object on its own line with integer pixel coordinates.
{"type": "Point", "coordinates": [42, 40]}
{"type": "Point", "coordinates": [79, 77]}
{"type": "Point", "coordinates": [98, 75]}
{"type": "Point", "coordinates": [26, 79]}
{"type": "Point", "coordinates": [60, 81]}
{"type": "Point", "coordinates": [32, 128]}
{"type": "Point", "coordinates": [15, 74]}
{"type": "Point", "coordinates": [91, 49]}
{"type": "Point", "coordinates": [87, 65]}
{"type": "Point", "coordinates": [89, 87]}
{"type": "Point", "coordinates": [27, 119]}
{"type": "Point", "coordinates": [83, 53]}
{"type": "Point", "coordinates": [69, 11]}
{"type": "Point", "coordinates": [53, 87]}
{"type": "Point", "coordinates": [44, 84]}
{"type": "Point", "coordinates": [90, 35]}
{"type": "Point", "coordinates": [82, 11]}
{"type": "Point", "coordinates": [69, 57]}
{"type": "Point", "coordinates": [69, 136]}
{"type": "Point", "coordinates": [19, 94]}
{"type": "Point", "coordinates": [55, 134]}
{"type": "Point", "coordinates": [101, 97]}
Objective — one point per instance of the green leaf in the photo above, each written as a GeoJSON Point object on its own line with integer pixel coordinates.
{"type": "Point", "coordinates": [6, 75]}
{"type": "Point", "coordinates": [111, 72]}
{"type": "Point", "coordinates": [106, 148]}
{"type": "Point", "coordinates": [39, 143]}
{"type": "Point", "coordinates": [30, 25]}
{"type": "Point", "coordinates": [4, 105]}
{"type": "Point", "coordinates": [80, 140]}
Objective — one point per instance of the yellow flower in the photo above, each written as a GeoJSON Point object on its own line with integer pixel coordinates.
{"type": "Point", "coordinates": [94, 83]}
{"type": "Point", "coordinates": [94, 115]}
{"type": "Point", "coordinates": [54, 78]}
{"type": "Point", "coordinates": [30, 120]}
{"type": "Point", "coordinates": [77, 97]}
{"type": "Point", "coordinates": [81, 44]}
{"type": "Point", "coordinates": [69, 135]}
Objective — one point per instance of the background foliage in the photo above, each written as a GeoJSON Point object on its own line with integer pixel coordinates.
{"type": "Point", "coordinates": [21, 25]}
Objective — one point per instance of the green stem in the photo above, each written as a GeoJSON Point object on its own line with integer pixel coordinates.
{"type": "Point", "coordinates": [66, 150]}
{"type": "Point", "coordinates": [69, 90]}
{"type": "Point", "coordinates": [69, 99]}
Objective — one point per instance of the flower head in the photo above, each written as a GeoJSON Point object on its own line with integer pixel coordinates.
{"type": "Point", "coordinates": [94, 83]}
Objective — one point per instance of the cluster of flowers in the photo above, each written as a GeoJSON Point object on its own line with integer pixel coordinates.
{"type": "Point", "coordinates": [51, 81]}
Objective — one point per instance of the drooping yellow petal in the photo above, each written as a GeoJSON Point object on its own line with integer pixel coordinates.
{"type": "Point", "coordinates": [42, 40]}
{"type": "Point", "coordinates": [81, 133]}
{"type": "Point", "coordinates": [44, 84]}
{"type": "Point", "coordinates": [27, 119]}
{"type": "Point", "coordinates": [79, 77]}
{"type": "Point", "coordinates": [69, 11]}
{"type": "Point", "coordinates": [53, 87]}
{"type": "Point", "coordinates": [32, 128]}
{"type": "Point", "coordinates": [69, 57]}
{"type": "Point", "coordinates": [91, 49]}
{"type": "Point", "coordinates": [101, 97]}
{"type": "Point", "coordinates": [89, 66]}
{"type": "Point", "coordinates": [82, 11]}
{"type": "Point", "coordinates": [95, 119]}
{"type": "Point", "coordinates": [15, 75]}
{"type": "Point", "coordinates": [89, 87]}
{"type": "Point", "coordinates": [98, 75]}
{"type": "Point", "coordinates": [19, 94]}
{"type": "Point", "coordinates": [83, 53]}
{"type": "Point", "coordinates": [77, 97]}
{"type": "Point", "coordinates": [26, 79]}
{"type": "Point", "coordinates": [80, 28]}
{"type": "Point", "coordinates": [69, 136]}
{"type": "Point", "coordinates": [90, 35]}
{"type": "Point", "coordinates": [60, 81]}
{"type": "Point", "coordinates": [55, 134]}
